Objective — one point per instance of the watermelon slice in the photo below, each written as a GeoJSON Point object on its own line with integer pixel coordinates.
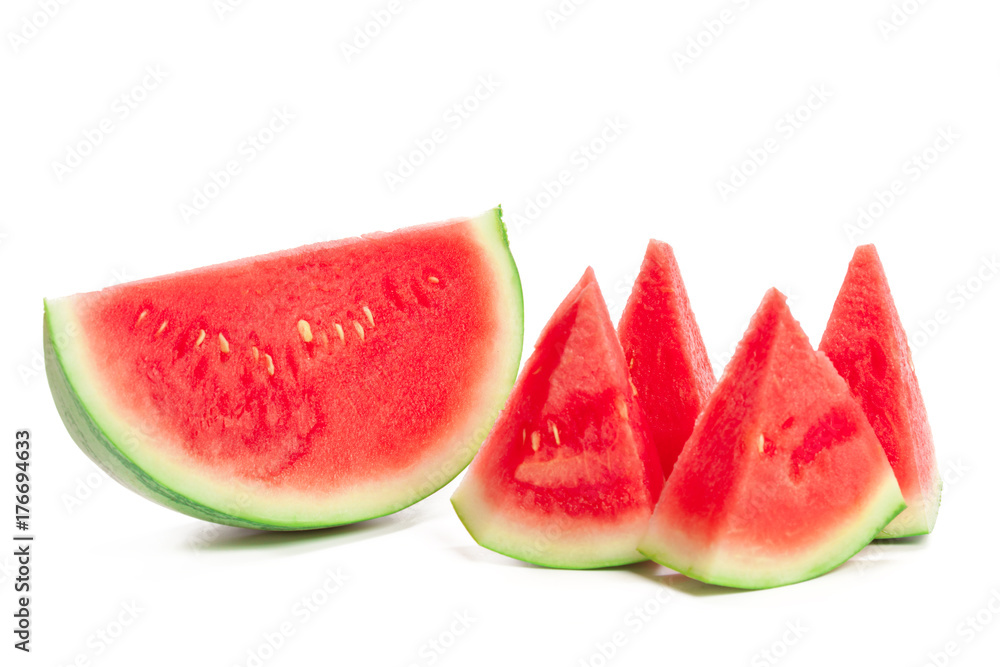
{"type": "Point", "coordinates": [306, 388]}
{"type": "Point", "coordinates": [567, 478]}
{"type": "Point", "coordinates": [666, 355]}
{"type": "Point", "coordinates": [867, 344]}
{"type": "Point", "coordinates": [783, 478]}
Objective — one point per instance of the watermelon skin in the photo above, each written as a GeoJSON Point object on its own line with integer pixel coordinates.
{"type": "Point", "coordinates": [866, 342]}
{"type": "Point", "coordinates": [666, 355]}
{"type": "Point", "coordinates": [390, 413]}
{"type": "Point", "coordinates": [783, 477]}
{"type": "Point", "coordinates": [567, 477]}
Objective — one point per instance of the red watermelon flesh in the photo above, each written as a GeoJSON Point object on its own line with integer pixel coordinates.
{"type": "Point", "coordinates": [306, 388]}
{"type": "Point", "coordinates": [567, 478]}
{"type": "Point", "coordinates": [665, 352]}
{"type": "Point", "coordinates": [783, 478]}
{"type": "Point", "coordinates": [865, 341]}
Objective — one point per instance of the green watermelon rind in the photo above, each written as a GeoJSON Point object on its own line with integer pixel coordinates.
{"type": "Point", "coordinates": [114, 445]}
{"type": "Point", "coordinates": [887, 504]}
{"type": "Point", "coordinates": [903, 526]}
{"type": "Point", "coordinates": [502, 535]}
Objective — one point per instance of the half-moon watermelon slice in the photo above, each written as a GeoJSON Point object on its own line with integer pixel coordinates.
{"type": "Point", "coordinates": [665, 352]}
{"type": "Point", "coordinates": [866, 342]}
{"type": "Point", "coordinates": [307, 388]}
{"type": "Point", "coordinates": [783, 478]}
{"type": "Point", "coordinates": [567, 477]}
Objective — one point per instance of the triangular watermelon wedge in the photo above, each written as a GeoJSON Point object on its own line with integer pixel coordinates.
{"type": "Point", "coordinates": [783, 478]}
{"type": "Point", "coordinates": [567, 478]}
{"type": "Point", "coordinates": [865, 341]}
{"type": "Point", "coordinates": [665, 352]}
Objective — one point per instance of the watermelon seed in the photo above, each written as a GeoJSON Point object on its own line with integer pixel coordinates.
{"type": "Point", "coordinates": [270, 363]}
{"type": "Point", "coordinates": [142, 316]}
{"type": "Point", "coordinates": [160, 330]}
{"type": "Point", "coordinates": [635, 392]}
{"type": "Point", "coordinates": [223, 344]}
{"type": "Point", "coordinates": [340, 332]}
{"type": "Point", "coordinates": [201, 338]}
{"type": "Point", "coordinates": [555, 432]}
{"type": "Point", "coordinates": [256, 353]}
{"type": "Point", "coordinates": [760, 443]}
{"type": "Point", "coordinates": [323, 338]}
{"type": "Point", "coordinates": [360, 329]}
{"type": "Point", "coordinates": [305, 331]}
{"type": "Point", "coordinates": [622, 408]}
{"type": "Point", "coordinates": [368, 314]}
{"type": "Point", "coordinates": [433, 279]}
{"type": "Point", "coordinates": [536, 440]}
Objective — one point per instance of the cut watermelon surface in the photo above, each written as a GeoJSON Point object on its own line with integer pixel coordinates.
{"type": "Point", "coordinates": [866, 342]}
{"type": "Point", "coordinates": [567, 477]}
{"type": "Point", "coordinates": [312, 387]}
{"type": "Point", "coordinates": [665, 352]}
{"type": "Point", "coordinates": [783, 478]}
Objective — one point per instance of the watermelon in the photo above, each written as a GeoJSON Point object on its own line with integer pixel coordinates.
{"type": "Point", "coordinates": [307, 388]}
{"type": "Point", "coordinates": [867, 344]}
{"type": "Point", "coordinates": [783, 478]}
{"type": "Point", "coordinates": [568, 477]}
{"type": "Point", "coordinates": [666, 355]}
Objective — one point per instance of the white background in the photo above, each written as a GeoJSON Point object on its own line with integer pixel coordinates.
{"type": "Point", "coordinates": [208, 594]}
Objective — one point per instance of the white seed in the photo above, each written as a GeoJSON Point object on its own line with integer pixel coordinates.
{"type": "Point", "coordinates": [360, 329]}
{"type": "Point", "coordinates": [536, 440]}
{"type": "Point", "coordinates": [162, 327]}
{"type": "Point", "coordinates": [368, 314]}
{"type": "Point", "coordinates": [433, 279]}
{"type": "Point", "coordinates": [622, 408]}
{"type": "Point", "coordinates": [223, 344]}
{"type": "Point", "coordinates": [760, 443]}
{"type": "Point", "coordinates": [555, 431]}
{"type": "Point", "coordinates": [305, 331]}
{"type": "Point", "coordinates": [201, 338]}
{"type": "Point", "coordinates": [255, 352]}
{"type": "Point", "coordinates": [142, 316]}
{"type": "Point", "coordinates": [340, 332]}
{"type": "Point", "coordinates": [270, 363]}
{"type": "Point", "coordinates": [635, 392]}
